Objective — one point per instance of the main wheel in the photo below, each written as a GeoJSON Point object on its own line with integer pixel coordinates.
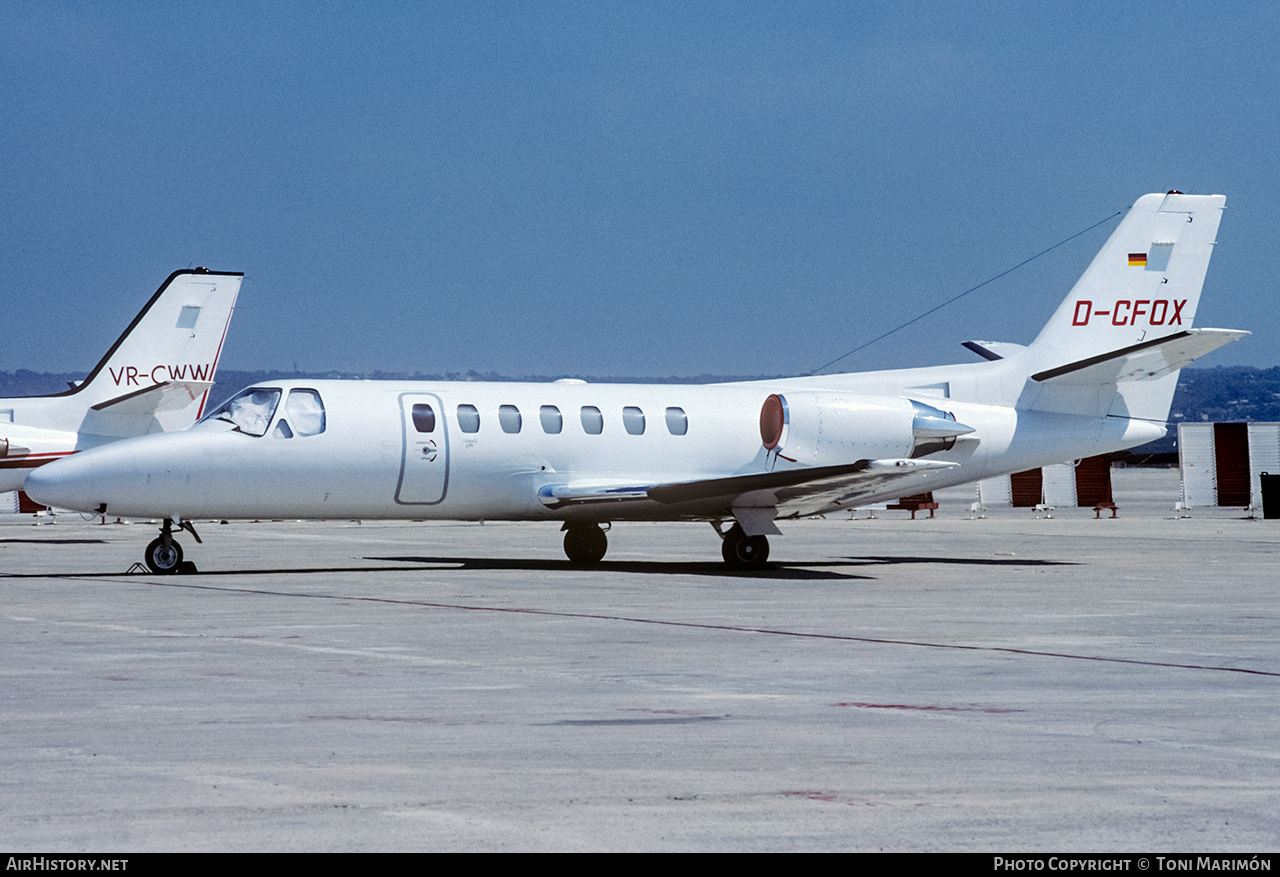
{"type": "Point", "coordinates": [585, 544]}
{"type": "Point", "coordinates": [742, 551]}
{"type": "Point", "coordinates": [164, 558]}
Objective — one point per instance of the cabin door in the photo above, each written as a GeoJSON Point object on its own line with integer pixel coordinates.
{"type": "Point", "coordinates": [424, 461]}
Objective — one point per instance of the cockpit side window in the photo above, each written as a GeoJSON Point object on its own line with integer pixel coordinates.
{"type": "Point", "coordinates": [249, 411]}
{"type": "Point", "coordinates": [305, 411]}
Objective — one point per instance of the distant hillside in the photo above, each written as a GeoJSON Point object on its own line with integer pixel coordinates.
{"type": "Point", "coordinates": [29, 383]}
{"type": "Point", "coordinates": [1224, 394]}
{"type": "Point", "coordinates": [1227, 393]}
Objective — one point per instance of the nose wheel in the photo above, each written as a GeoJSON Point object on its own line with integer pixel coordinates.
{"type": "Point", "coordinates": [741, 551]}
{"type": "Point", "coordinates": [585, 544]}
{"type": "Point", "coordinates": [164, 555]}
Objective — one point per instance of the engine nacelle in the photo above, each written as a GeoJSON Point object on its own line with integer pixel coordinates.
{"type": "Point", "coordinates": [809, 428]}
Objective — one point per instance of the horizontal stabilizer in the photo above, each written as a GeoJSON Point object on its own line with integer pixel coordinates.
{"type": "Point", "coordinates": [1142, 362]}
{"type": "Point", "coordinates": [134, 413]}
{"type": "Point", "coordinates": [993, 350]}
{"type": "Point", "coordinates": [168, 396]}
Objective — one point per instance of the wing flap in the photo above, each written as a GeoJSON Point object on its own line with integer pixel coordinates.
{"type": "Point", "coordinates": [881, 479]}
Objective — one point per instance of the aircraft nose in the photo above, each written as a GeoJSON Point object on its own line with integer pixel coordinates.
{"type": "Point", "coordinates": [64, 484]}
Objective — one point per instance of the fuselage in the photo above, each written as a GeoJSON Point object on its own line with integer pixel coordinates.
{"type": "Point", "coordinates": [494, 450]}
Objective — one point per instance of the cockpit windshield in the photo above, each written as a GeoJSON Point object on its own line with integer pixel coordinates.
{"type": "Point", "coordinates": [249, 412]}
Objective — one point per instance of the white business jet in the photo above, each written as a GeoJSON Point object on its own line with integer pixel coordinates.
{"type": "Point", "coordinates": [155, 378]}
{"type": "Point", "coordinates": [1099, 377]}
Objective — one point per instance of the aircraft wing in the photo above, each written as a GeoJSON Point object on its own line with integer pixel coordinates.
{"type": "Point", "coordinates": [791, 492]}
{"type": "Point", "coordinates": [805, 491]}
{"type": "Point", "coordinates": [1142, 362]}
{"type": "Point", "coordinates": [133, 413]}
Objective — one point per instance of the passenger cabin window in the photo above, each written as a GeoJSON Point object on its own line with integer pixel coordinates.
{"type": "Point", "coordinates": [468, 418]}
{"type": "Point", "coordinates": [677, 422]}
{"type": "Point", "coordinates": [249, 411]}
{"type": "Point", "coordinates": [592, 420]}
{"type": "Point", "coordinates": [633, 420]}
{"type": "Point", "coordinates": [424, 417]}
{"type": "Point", "coordinates": [552, 422]}
{"type": "Point", "coordinates": [509, 418]}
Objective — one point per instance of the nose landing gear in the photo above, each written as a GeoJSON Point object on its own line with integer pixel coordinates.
{"type": "Point", "coordinates": [164, 555]}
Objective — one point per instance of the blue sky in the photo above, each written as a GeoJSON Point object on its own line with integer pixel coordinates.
{"type": "Point", "coordinates": [616, 189]}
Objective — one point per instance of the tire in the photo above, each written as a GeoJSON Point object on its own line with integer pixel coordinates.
{"type": "Point", "coordinates": [585, 545]}
{"type": "Point", "coordinates": [741, 551]}
{"type": "Point", "coordinates": [164, 559]}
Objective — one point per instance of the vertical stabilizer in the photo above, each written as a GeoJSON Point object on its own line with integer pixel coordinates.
{"type": "Point", "coordinates": [1144, 284]}
{"type": "Point", "coordinates": [1115, 345]}
{"type": "Point", "coordinates": [176, 339]}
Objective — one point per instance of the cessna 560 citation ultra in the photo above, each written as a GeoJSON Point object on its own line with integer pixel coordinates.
{"type": "Point", "coordinates": [1099, 377]}
{"type": "Point", "coordinates": [155, 378]}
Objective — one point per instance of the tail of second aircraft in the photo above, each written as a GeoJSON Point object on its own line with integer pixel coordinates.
{"type": "Point", "coordinates": [157, 375]}
{"type": "Point", "coordinates": [1114, 346]}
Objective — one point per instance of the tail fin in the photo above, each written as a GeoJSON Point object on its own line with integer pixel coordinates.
{"type": "Point", "coordinates": [158, 373]}
{"type": "Point", "coordinates": [1144, 283]}
{"type": "Point", "coordinates": [1115, 344]}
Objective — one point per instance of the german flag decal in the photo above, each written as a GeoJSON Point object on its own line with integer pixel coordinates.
{"type": "Point", "coordinates": [1138, 259]}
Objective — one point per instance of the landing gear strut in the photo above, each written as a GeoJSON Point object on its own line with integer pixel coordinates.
{"type": "Point", "coordinates": [585, 544]}
{"type": "Point", "coordinates": [164, 554]}
{"type": "Point", "coordinates": [741, 551]}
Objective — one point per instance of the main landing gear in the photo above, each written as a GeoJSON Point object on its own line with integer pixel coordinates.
{"type": "Point", "coordinates": [741, 551]}
{"type": "Point", "coordinates": [164, 554]}
{"type": "Point", "coordinates": [585, 544]}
